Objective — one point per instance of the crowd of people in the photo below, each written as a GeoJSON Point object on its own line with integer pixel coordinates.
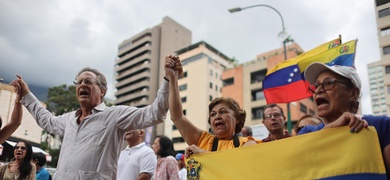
{"type": "Point", "coordinates": [93, 134]}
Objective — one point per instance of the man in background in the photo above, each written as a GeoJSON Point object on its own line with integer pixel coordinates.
{"type": "Point", "coordinates": [137, 161]}
{"type": "Point", "coordinates": [246, 131]}
{"type": "Point", "coordinates": [182, 166]}
{"type": "Point", "coordinates": [274, 120]}
{"type": "Point", "coordinates": [39, 159]}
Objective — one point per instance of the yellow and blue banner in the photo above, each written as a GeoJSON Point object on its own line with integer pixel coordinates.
{"type": "Point", "coordinates": [330, 154]}
{"type": "Point", "coordinates": [286, 83]}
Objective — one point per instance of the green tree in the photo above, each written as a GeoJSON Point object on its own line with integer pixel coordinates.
{"type": "Point", "coordinates": [60, 99]}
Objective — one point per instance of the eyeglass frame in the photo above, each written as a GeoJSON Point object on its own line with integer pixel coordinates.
{"type": "Point", "coordinates": [333, 80]}
{"type": "Point", "coordinates": [275, 115]}
{"type": "Point", "coordinates": [87, 82]}
{"type": "Point", "coordinates": [299, 129]}
{"type": "Point", "coordinates": [23, 148]}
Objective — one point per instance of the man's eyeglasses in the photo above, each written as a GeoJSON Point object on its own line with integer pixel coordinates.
{"type": "Point", "coordinates": [275, 115]}
{"type": "Point", "coordinates": [20, 147]}
{"type": "Point", "coordinates": [87, 82]}
{"type": "Point", "coordinates": [327, 84]}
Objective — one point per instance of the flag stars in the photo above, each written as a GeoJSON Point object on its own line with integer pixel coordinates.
{"type": "Point", "coordinates": [291, 74]}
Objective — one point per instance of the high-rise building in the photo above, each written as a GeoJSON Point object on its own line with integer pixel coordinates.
{"type": "Point", "coordinates": [247, 79]}
{"type": "Point", "coordinates": [203, 66]}
{"type": "Point", "coordinates": [139, 68]}
{"type": "Point", "coordinates": [379, 71]}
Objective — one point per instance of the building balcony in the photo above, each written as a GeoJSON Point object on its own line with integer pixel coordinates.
{"type": "Point", "coordinates": [137, 43]}
{"type": "Point", "coordinates": [132, 71]}
{"type": "Point", "coordinates": [132, 62]}
{"type": "Point", "coordinates": [132, 87]}
{"type": "Point", "coordinates": [128, 56]}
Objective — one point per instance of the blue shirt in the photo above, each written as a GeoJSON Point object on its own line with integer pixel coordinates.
{"type": "Point", "coordinates": [42, 174]}
{"type": "Point", "coordinates": [381, 124]}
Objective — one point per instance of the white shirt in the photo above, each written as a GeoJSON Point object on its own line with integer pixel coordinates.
{"type": "Point", "coordinates": [183, 174]}
{"type": "Point", "coordinates": [90, 150]}
{"type": "Point", "coordinates": [135, 160]}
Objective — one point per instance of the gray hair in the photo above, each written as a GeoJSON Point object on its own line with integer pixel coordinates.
{"type": "Point", "coordinates": [101, 79]}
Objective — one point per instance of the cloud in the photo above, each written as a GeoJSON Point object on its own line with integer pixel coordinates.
{"type": "Point", "coordinates": [49, 41]}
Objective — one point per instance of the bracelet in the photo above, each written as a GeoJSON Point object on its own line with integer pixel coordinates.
{"type": "Point", "coordinates": [166, 79]}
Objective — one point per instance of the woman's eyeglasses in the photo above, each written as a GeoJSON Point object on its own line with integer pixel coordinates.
{"type": "Point", "coordinates": [327, 84]}
{"type": "Point", "coordinates": [20, 147]}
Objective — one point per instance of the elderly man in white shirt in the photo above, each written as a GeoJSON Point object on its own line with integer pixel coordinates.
{"type": "Point", "coordinates": [94, 133]}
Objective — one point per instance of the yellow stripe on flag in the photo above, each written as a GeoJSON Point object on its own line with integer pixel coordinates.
{"type": "Point", "coordinates": [319, 49]}
{"type": "Point", "coordinates": [326, 153]}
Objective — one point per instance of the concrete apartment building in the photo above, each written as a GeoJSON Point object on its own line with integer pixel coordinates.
{"type": "Point", "coordinates": [379, 71]}
{"type": "Point", "coordinates": [28, 130]}
{"type": "Point", "coordinates": [202, 82]}
{"type": "Point", "coordinates": [247, 79]}
{"type": "Point", "coordinates": [139, 68]}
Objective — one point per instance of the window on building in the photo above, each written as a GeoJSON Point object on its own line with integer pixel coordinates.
{"type": "Point", "coordinates": [383, 12]}
{"type": "Point", "coordinates": [388, 89]}
{"type": "Point", "coordinates": [210, 97]}
{"type": "Point", "coordinates": [257, 113]}
{"type": "Point", "coordinates": [211, 72]}
{"type": "Point", "coordinates": [177, 140]}
{"type": "Point", "coordinates": [216, 88]}
{"type": "Point", "coordinates": [184, 111]}
{"type": "Point", "coordinates": [216, 75]}
{"type": "Point", "coordinates": [387, 69]}
{"type": "Point", "coordinates": [185, 74]}
{"type": "Point", "coordinates": [257, 94]}
{"type": "Point", "coordinates": [211, 85]}
{"type": "Point", "coordinates": [183, 87]}
{"type": "Point", "coordinates": [303, 108]}
{"type": "Point", "coordinates": [228, 82]}
{"type": "Point", "coordinates": [385, 31]}
{"type": "Point", "coordinates": [184, 99]}
{"type": "Point", "coordinates": [258, 76]}
{"type": "Point", "coordinates": [386, 50]}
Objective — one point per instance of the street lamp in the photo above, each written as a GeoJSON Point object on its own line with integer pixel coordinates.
{"type": "Point", "coordinates": [282, 35]}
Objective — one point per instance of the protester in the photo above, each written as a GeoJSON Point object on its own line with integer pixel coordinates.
{"type": "Point", "coordinates": [182, 166]}
{"type": "Point", "coordinates": [16, 117]}
{"type": "Point", "coordinates": [246, 131]}
{"type": "Point", "coordinates": [167, 168]}
{"type": "Point", "coordinates": [336, 92]}
{"type": "Point", "coordinates": [137, 161]}
{"type": "Point", "coordinates": [39, 159]}
{"type": "Point", "coordinates": [93, 133]}
{"type": "Point", "coordinates": [274, 121]}
{"type": "Point", "coordinates": [21, 168]}
{"type": "Point", "coordinates": [307, 120]}
{"type": "Point", "coordinates": [225, 117]}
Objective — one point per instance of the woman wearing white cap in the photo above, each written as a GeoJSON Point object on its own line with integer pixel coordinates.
{"type": "Point", "coordinates": [336, 92]}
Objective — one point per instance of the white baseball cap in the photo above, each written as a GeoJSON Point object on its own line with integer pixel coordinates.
{"type": "Point", "coordinates": [314, 69]}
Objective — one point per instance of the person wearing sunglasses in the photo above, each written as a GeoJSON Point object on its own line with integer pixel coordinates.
{"type": "Point", "coordinates": [21, 168]}
{"type": "Point", "coordinates": [336, 91]}
{"type": "Point", "coordinates": [93, 133]}
{"type": "Point", "coordinates": [307, 120]}
{"type": "Point", "coordinates": [274, 120]}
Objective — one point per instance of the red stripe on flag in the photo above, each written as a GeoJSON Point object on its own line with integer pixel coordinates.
{"type": "Point", "coordinates": [287, 93]}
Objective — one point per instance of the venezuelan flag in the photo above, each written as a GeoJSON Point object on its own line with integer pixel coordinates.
{"type": "Point", "coordinates": [285, 82]}
{"type": "Point", "coordinates": [330, 154]}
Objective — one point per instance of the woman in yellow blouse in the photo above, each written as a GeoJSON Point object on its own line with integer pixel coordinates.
{"type": "Point", "coordinates": [226, 118]}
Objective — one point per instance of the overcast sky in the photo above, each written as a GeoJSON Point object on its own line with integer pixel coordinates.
{"type": "Point", "coordinates": [49, 41]}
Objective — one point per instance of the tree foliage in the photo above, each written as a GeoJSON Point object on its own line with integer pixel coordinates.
{"type": "Point", "coordinates": [62, 99]}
